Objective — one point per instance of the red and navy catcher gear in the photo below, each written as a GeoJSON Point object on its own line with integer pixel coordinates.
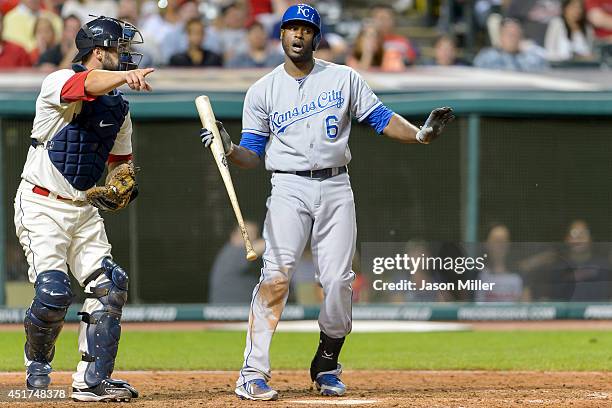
{"type": "Point", "coordinates": [305, 14]}
{"type": "Point", "coordinates": [107, 32]}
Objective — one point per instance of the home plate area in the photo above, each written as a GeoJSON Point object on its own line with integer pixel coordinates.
{"type": "Point", "coordinates": [367, 388]}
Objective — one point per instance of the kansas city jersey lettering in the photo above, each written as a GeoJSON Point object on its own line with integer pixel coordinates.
{"type": "Point", "coordinates": [307, 123]}
{"type": "Point", "coordinates": [326, 100]}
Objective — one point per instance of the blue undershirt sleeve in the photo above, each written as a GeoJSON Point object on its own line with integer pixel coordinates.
{"type": "Point", "coordinates": [253, 142]}
{"type": "Point", "coordinates": [379, 118]}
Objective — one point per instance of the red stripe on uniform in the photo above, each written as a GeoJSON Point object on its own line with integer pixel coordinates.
{"type": "Point", "coordinates": [74, 89]}
{"type": "Point", "coordinates": [112, 158]}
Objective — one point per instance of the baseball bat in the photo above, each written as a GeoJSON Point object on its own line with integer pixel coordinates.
{"type": "Point", "coordinates": [207, 117]}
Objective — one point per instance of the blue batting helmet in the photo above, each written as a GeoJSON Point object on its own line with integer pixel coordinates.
{"type": "Point", "coordinates": [305, 14]}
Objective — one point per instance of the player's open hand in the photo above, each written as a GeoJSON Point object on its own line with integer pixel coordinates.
{"type": "Point", "coordinates": [136, 79]}
{"type": "Point", "coordinates": [207, 138]}
{"type": "Point", "coordinates": [435, 123]}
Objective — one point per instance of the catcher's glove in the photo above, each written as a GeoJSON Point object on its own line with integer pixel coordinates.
{"type": "Point", "coordinates": [119, 191]}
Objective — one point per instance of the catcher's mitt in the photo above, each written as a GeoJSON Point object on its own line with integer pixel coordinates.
{"type": "Point", "coordinates": [120, 189]}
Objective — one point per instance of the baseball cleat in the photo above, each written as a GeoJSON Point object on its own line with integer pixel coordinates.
{"type": "Point", "coordinates": [107, 390]}
{"type": "Point", "coordinates": [256, 390]}
{"type": "Point", "coordinates": [37, 376]}
{"type": "Point", "coordinates": [330, 385]}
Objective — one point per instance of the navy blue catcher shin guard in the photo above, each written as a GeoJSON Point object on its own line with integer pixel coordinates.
{"type": "Point", "coordinates": [43, 323]}
{"type": "Point", "coordinates": [104, 325]}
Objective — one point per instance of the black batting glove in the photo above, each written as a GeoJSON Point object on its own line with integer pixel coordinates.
{"type": "Point", "coordinates": [435, 123]}
{"type": "Point", "coordinates": [207, 138]}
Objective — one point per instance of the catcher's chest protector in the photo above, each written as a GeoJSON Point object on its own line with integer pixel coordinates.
{"type": "Point", "coordinates": [80, 150]}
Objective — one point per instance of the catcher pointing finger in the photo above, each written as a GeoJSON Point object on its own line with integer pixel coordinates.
{"type": "Point", "coordinates": [82, 123]}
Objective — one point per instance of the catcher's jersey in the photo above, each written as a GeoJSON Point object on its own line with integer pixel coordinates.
{"type": "Point", "coordinates": [51, 116]}
{"type": "Point", "coordinates": [307, 122]}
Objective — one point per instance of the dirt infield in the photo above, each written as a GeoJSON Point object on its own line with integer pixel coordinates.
{"type": "Point", "coordinates": [366, 389]}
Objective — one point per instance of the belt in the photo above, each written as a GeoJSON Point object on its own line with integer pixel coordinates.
{"type": "Point", "coordinates": [46, 145]}
{"type": "Point", "coordinates": [320, 174]}
{"type": "Point", "coordinates": [44, 192]}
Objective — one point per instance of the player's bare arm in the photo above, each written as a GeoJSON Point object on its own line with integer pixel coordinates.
{"type": "Point", "coordinates": [405, 132]}
{"type": "Point", "coordinates": [100, 82]}
{"type": "Point", "coordinates": [238, 155]}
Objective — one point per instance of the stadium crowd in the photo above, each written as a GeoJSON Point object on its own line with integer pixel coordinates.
{"type": "Point", "coordinates": [519, 35]}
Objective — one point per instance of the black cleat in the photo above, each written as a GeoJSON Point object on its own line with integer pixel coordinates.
{"type": "Point", "coordinates": [107, 390]}
{"type": "Point", "coordinates": [37, 376]}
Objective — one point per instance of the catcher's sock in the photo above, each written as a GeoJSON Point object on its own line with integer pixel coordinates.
{"type": "Point", "coordinates": [326, 357]}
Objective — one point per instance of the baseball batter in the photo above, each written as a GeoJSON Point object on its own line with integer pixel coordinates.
{"type": "Point", "coordinates": [299, 118]}
{"type": "Point", "coordinates": [82, 123]}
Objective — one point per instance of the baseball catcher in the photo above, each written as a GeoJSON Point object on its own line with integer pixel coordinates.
{"type": "Point", "coordinates": [82, 126]}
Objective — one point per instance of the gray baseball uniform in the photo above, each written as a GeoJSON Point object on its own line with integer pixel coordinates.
{"type": "Point", "coordinates": [307, 124]}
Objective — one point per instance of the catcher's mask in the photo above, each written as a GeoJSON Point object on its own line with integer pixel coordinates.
{"type": "Point", "coordinates": [108, 32]}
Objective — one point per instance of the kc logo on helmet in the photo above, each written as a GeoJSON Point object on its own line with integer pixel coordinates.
{"type": "Point", "coordinates": [305, 11]}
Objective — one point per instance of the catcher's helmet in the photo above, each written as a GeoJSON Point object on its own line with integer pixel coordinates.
{"type": "Point", "coordinates": [107, 32]}
{"type": "Point", "coordinates": [305, 14]}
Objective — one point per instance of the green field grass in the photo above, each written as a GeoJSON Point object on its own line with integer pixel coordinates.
{"type": "Point", "coordinates": [222, 350]}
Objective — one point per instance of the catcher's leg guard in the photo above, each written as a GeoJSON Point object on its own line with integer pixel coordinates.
{"type": "Point", "coordinates": [104, 325]}
{"type": "Point", "coordinates": [43, 323]}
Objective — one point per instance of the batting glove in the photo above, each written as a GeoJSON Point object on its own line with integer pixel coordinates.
{"type": "Point", "coordinates": [438, 118]}
{"type": "Point", "coordinates": [207, 138]}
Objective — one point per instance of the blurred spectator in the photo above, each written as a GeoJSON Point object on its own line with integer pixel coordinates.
{"type": "Point", "coordinates": [11, 54]}
{"type": "Point", "coordinates": [573, 271]}
{"type": "Point", "coordinates": [589, 271]}
{"type": "Point", "coordinates": [579, 274]}
{"type": "Point", "coordinates": [87, 10]}
{"type": "Point", "coordinates": [325, 52]}
{"type": "Point", "coordinates": [445, 52]}
{"type": "Point", "coordinates": [164, 29]}
{"type": "Point", "coordinates": [19, 23]}
{"type": "Point", "coordinates": [258, 54]}
{"type": "Point", "coordinates": [45, 38]}
{"type": "Point", "coordinates": [7, 5]}
{"type": "Point", "coordinates": [54, 6]}
{"type": "Point", "coordinates": [509, 56]}
{"type": "Point", "coordinates": [227, 35]}
{"type": "Point", "coordinates": [599, 14]}
{"type": "Point", "coordinates": [196, 56]}
{"type": "Point", "coordinates": [485, 8]}
{"type": "Point", "coordinates": [398, 46]}
{"type": "Point", "coordinates": [508, 285]}
{"type": "Point", "coordinates": [535, 15]}
{"type": "Point", "coordinates": [568, 36]}
{"type": "Point", "coordinates": [175, 40]}
{"type": "Point", "coordinates": [369, 52]}
{"type": "Point", "coordinates": [61, 55]}
{"type": "Point", "coordinates": [232, 277]}
{"type": "Point", "coordinates": [128, 11]}
{"type": "Point", "coordinates": [267, 12]}
{"type": "Point", "coordinates": [257, 7]}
